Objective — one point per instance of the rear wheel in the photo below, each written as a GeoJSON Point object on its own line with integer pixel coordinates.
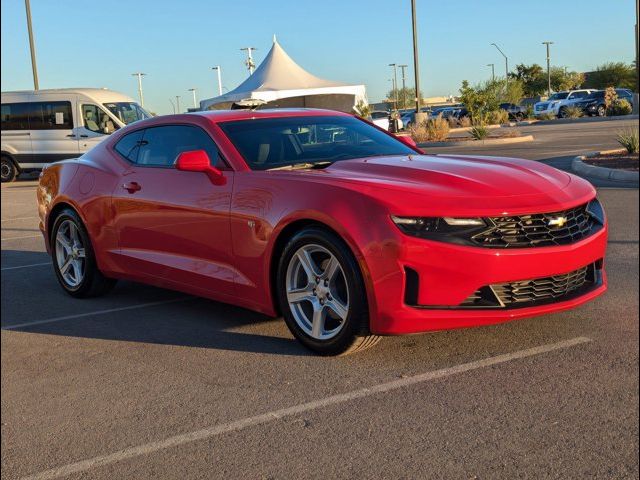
{"type": "Point", "coordinates": [8, 170]}
{"type": "Point", "coordinates": [74, 260]}
{"type": "Point", "coordinates": [602, 110]}
{"type": "Point", "coordinates": [321, 294]}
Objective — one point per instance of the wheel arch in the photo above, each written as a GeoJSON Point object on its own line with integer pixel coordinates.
{"type": "Point", "coordinates": [286, 233]}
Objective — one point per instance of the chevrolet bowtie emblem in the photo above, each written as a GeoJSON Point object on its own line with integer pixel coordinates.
{"type": "Point", "coordinates": [557, 222]}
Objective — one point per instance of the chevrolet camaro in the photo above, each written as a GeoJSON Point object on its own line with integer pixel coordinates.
{"type": "Point", "coordinates": [345, 230]}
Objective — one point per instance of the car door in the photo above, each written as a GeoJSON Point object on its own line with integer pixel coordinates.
{"type": "Point", "coordinates": [52, 123]}
{"type": "Point", "coordinates": [94, 126]}
{"type": "Point", "coordinates": [173, 225]}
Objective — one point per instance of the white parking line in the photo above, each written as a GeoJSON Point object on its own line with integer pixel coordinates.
{"type": "Point", "coordinates": [25, 266]}
{"type": "Point", "coordinates": [96, 312]}
{"type": "Point", "coordinates": [18, 238]}
{"type": "Point", "coordinates": [241, 424]}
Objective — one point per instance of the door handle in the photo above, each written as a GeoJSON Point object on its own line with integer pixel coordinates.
{"type": "Point", "coordinates": [84, 136]}
{"type": "Point", "coordinates": [73, 135]}
{"type": "Point", "coordinates": [132, 187]}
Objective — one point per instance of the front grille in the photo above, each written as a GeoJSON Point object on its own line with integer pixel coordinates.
{"type": "Point", "coordinates": [540, 290]}
{"type": "Point", "coordinates": [538, 230]}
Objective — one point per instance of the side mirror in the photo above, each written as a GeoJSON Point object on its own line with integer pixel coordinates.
{"type": "Point", "coordinates": [198, 161]}
{"type": "Point", "coordinates": [407, 140]}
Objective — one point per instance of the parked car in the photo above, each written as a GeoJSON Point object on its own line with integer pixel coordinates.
{"type": "Point", "coordinates": [516, 112]}
{"type": "Point", "coordinates": [594, 103]}
{"type": "Point", "coordinates": [383, 119]}
{"type": "Point", "coordinates": [558, 102]}
{"type": "Point", "coordinates": [44, 126]}
{"type": "Point", "coordinates": [347, 231]}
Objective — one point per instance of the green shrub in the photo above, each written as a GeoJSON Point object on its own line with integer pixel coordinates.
{"type": "Point", "coordinates": [479, 131]}
{"type": "Point", "coordinates": [573, 112]}
{"type": "Point", "coordinates": [433, 130]}
{"type": "Point", "coordinates": [547, 116]}
{"type": "Point", "coordinates": [620, 106]}
{"type": "Point", "coordinates": [498, 117]}
{"type": "Point", "coordinates": [629, 140]}
{"type": "Point", "coordinates": [530, 114]}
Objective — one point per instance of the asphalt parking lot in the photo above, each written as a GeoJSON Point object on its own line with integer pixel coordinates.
{"type": "Point", "coordinates": [147, 383]}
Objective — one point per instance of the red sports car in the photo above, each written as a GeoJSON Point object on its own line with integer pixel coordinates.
{"type": "Point", "coordinates": [346, 231]}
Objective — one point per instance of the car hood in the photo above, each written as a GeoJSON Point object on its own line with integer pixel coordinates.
{"type": "Point", "coordinates": [471, 183]}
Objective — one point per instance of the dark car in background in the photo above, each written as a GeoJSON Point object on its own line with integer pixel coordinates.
{"type": "Point", "coordinates": [594, 103]}
{"type": "Point", "coordinates": [516, 112]}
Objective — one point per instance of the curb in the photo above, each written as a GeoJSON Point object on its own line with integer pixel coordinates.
{"type": "Point", "coordinates": [559, 121]}
{"type": "Point", "coordinates": [611, 174]}
{"type": "Point", "coordinates": [490, 141]}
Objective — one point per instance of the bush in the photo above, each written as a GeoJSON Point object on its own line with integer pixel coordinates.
{"type": "Point", "coordinates": [547, 116]}
{"type": "Point", "coordinates": [465, 121]}
{"type": "Point", "coordinates": [530, 114]}
{"type": "Point", "coordinates": [433, 130]}
{"type": "Point", "coordinates": [573, 112]}
{"type": "Point", "coordinates": [629, 140]}
{"type": "Point", "coordinates": [498, 117]}
{"type": "Point", "coordinates": [620, 106]}
{"type": "Point", "coordinates": [479, 132]}
{"type": "Point", "coordinates": [453, 122]}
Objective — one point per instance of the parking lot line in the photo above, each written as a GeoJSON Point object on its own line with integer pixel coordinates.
{"type": "Point", "coordinates": [18, 238]}
{"type": "Point", "coordinates": [95, 312]}
{"type": "Point", "coordinates": [19, 218]}
{"type": "Point", "coordinates": [25, 266]}
{"type": "Point", "coordinates": [263, 418]}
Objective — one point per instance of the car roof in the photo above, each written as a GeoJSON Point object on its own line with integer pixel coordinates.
{"type": "Point", "coordinates": [232, 115]}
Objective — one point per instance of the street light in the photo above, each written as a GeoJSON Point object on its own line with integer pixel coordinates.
{"type": "Point", "coordinates": [493, 71]}
{"type": "Point", "coordinates": [32, 46]}
{"type": "Point", "coordinates": [193, 91]}
{"type": "Point", "coordinates": [178, 103]}
{"type": "Point", "coordinates": [219, 69]}
{"type": "Point", "coordinates": [548, 68]}
{"type": "Point", "coordinates": [404, 86]}
{"type": "Point", "coordinates": [395, 84]}
{"type": "Point", "coordinates": [249, 61]}
{"type": "Point", "coordinates": [506, 62]}
{"type": "Point", "coordinates": [140, 75]}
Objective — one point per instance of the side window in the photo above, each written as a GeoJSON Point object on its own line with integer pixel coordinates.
{"type": "Point", "coordinates": [51, 116]}
{"type": "Point", "coordinates": [14, 116]}
{"type": "Point", "coordinates": [97, 120]}
{"type": "Point", "coordinates": [162, 145]}
{"type": "Point", "coordinates": [128, 145]}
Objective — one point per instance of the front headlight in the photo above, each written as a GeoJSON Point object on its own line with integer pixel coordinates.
{"type": "Point", "coordinates": [453, 229]}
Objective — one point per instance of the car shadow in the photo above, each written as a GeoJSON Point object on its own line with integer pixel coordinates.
{"type": "Point", "coordinates": [192, 322]}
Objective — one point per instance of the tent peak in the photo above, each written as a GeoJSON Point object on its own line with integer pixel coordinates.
{"type": "Point", "coordinates": [275, 40]}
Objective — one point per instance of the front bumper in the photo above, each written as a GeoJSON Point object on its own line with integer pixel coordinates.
{"type": "Point", "coordinates": [548, 111]}
{"type": "Point", "coordinates": [449, 274]}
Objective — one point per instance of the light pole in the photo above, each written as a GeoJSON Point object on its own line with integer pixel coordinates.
{"type": "Point", "coordinates": [404, 86]}
{"type": "Point", "coordinates": [506, 62]}
{"type": "Point", "coordinates": [416, 68]}
{"type": "Point", "coordinates": [249, 61]}
{"type": "Point", "coordinates": [195, 102]}
{"type": "Point", "coordinates": [178, 103]}
{"type": "Point", "coordinates": [140, 75]}
{"type": "Point", "coordinates": [219, 69]}
{"type": "Point", "coordinates": [548, 68]}
{"type": "Point", "coordinates": [635, 103]}
{"type": "Point", "coordinates": [32, 46]}
{"type": "Point", "coordinates": [493, 71]}
{"type": "Point", "coordinates": [173, 105]}
{"type": "Point", "coordinates": [395, 84]}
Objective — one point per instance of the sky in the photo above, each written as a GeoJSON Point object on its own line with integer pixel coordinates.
{"type": "Point", "coordinates": [100, 44]}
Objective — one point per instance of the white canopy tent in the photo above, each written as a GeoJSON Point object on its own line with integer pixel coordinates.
{"type": "Point", "coordinates": [282, 83]}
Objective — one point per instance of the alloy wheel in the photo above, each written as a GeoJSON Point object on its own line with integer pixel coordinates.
{"type": "Point", "coordinates": [70, 253]}
{"type": "Point", "coordinates": [317, 292]}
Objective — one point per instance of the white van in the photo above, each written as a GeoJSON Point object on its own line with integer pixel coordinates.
{"type": "Point", "coordinates": [44, 126]}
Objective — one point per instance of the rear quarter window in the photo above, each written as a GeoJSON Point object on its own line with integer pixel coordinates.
{"type": "Point", "coordinates": [129, 145]}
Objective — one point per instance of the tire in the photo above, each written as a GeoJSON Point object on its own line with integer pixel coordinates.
{"type": "Point", "coordinates": [519, 117]}
{"type": "Point", "coordinates": [602, 111]}
{"type": "Point", "coordinates": [562, 113]}
{"type": "Point", "coordinates": [8, 170]}
{"type": "Point", "coordinates": [302, 299]}
{"type": "Point", "coordinates": [78, 256]}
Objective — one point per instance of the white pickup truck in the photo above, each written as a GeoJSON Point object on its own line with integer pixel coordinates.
{"type": "Point", "coordinates": [559, 101]}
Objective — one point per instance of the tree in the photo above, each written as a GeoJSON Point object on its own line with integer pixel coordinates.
{"type": "Point", "coordinates": [406, 97]}
{"type": "Point", "coordinates": [563, 80]}
{"type": "Point", "coordinates": [612, 74]}
{"type": "Point", "coordinates": [534, 79]}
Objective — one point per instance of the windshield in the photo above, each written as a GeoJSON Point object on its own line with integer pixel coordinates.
{"type": "Point", "coordinates": [276, 142]}
{"type": "Point", "coordinates": [559, 96]}
{"type": "Point", "coordinates": [127, 112]}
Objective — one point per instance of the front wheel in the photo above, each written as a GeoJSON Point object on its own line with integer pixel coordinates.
{"type": "Point", "coordinates": [562, 113]}
{"type": "Point", "coordinates": [602, 110]}
{"type": "Point", "coordinates": [8, 170]}
{"type": "Point", "coordinates": [321, 294]}
{"type": "Point", "coordinates": [74, 260]}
